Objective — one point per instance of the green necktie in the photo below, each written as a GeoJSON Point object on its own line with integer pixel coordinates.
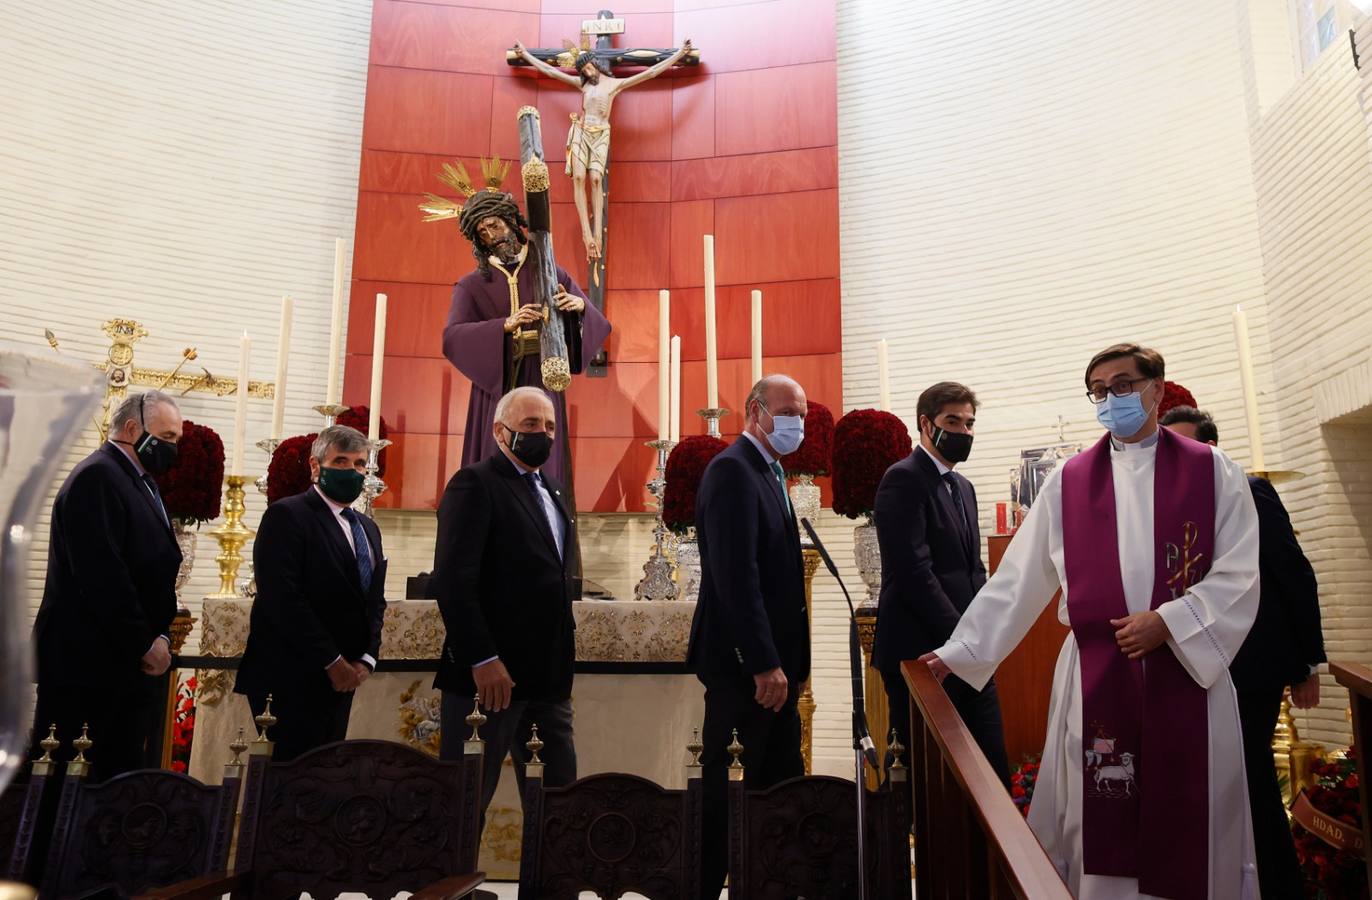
{"type": "Point", "coordinates": [781, 480]}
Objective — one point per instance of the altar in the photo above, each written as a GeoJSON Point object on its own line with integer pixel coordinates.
{"type": "Point", "coordinates": [635, 705]}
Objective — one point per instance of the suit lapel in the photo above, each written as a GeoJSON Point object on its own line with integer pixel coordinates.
{"type": "Point", "coordinates": [158, 512]}
{"type": "Point", "coordinates": [333, 536]}
{"type": "Point", "coordinates": [514, 480]}
{"type": "Point", "coordinates": [765, 470]}
{"type": "Point", "coordinates": [944, 499]}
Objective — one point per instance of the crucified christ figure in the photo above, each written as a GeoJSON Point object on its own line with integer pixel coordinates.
{"type": "Point", "coordinates": [588, 140]}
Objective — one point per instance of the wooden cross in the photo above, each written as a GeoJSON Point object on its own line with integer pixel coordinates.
{"type": "Point", "coordinates": [602, 29]}
{"type": "Point", "coordinates": [120, 372]}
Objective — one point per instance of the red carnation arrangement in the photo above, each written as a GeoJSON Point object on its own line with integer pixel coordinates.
{"type": "Point", "coordinates": [1329, 871]}
{"type": "Point", "coordinates": [815, 454]}
{"type": "Point", "coordinates": [288, 473]}
{"type": "Point", "coordinates": [359, 417]}
{"type": "Point", "coordinates": [867, 442]}
{"type": "Point", "coordinates": [1174, 394]}
{"type": "Point", "coordinates": [192, 487]}
{"type": "Point", "coordinates": [685, 467]}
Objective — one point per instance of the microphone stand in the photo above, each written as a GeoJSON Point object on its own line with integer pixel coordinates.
{"type": "Point", "coordinates": [864, 750]}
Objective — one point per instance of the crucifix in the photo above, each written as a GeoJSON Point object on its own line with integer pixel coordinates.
{"type": "Point", "coordinates": [588, 139]}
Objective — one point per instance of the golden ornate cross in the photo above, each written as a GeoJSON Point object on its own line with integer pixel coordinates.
{"type": "Point", "coordinates": [120, 372]}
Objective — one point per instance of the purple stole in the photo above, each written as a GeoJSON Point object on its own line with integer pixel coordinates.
{"type": "Point", "coordinates": [1145, 727]}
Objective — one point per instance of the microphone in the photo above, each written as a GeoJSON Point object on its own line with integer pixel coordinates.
{"type": "Point", "coordinates": [862, 736]}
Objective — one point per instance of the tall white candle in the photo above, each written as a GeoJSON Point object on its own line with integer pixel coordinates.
{"type": "Point", "coordinates": [883, 376]}
{"type": "Point", "coordinates": [664, 363]}
{"type": "Point", "coordinates": [334, 393]}
{"type": "Point", "coordinates": [283, 351]}
{"type": "Point", "coordinates": [757, 337]}
{"type": "Point", "coordinates": [240, 408]}
{"type": "Point", "coordinates": [676, 388]}
{"type": "Point", "coordinates": [1250, 390]}
{"type": "Point", "coordinates": [711, 360]}
{"type": "Point", "coordinates": [378, 358]}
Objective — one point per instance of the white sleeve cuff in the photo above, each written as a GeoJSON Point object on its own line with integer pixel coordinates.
{"type": "Point", "coordinates": [369, 660]}
{"type": "Point", "coordinates": [336, 659]}
{"type": "Point", "coordinates": [1181, 620]}
{"type": "Point", "coordinates": [484, 662]}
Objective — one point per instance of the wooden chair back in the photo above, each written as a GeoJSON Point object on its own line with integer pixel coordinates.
{"type": "Point", "coordinates": [610, 834]}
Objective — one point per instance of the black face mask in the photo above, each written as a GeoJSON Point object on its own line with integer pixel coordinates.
{"type": "Point", "coordinates": [157, 456]}
{"type": "Point", "coordinates": [530, 447]}
{"type": "Point", "coordinates": [341, 485]}
{"type": "Point", "coordinates": [954, 446]}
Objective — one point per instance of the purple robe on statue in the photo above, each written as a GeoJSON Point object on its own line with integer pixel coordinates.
{"type": "Point", "coordinates": [476, 343]}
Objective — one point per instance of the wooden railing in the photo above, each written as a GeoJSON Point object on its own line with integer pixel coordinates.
{"type": "Point", "coordinates": [1358, 680]}
{"type": "Point", "coordinates": [970, 839]}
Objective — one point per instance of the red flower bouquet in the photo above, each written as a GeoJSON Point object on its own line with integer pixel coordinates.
{"type": "Point", "coordinates": [183, 726]}
{"type": "Point", "coordinates": [192, 487]}
{"type": "Point", "coordinates": [1022, 784]}
{"type": "Point", "coordinates": [815, 454]}
{"type": "Point", "coordinates": [866, 443]}
{"type": "Point", "coordinates": [359, 417]}
{"type": "Point", "coordinates": [685, 467]}
{"type": "Point", "coordinates": [1174, 394]}
{"type": "Point", "coordinates": [289, 471]}
{"type": "Point", "coordinates": [1329, 871]}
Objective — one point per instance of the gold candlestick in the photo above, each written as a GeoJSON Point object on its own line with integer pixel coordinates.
{"type": "Point", "coordinates": [231, 535]}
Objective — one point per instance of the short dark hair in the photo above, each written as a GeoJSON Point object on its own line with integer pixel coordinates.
{"type": "Point", "coordinates": [944, 394]}
{"type": "Point", "coordinates": [1149, 360]}
{"type": "Point", "coordinates": [1206, 430]}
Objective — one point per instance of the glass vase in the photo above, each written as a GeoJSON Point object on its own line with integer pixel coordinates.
{"type": "Point", "coordinates": [44, 405]}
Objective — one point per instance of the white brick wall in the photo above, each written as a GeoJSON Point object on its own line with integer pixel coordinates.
{"type": "Point", "coordinates": [1313, 174]}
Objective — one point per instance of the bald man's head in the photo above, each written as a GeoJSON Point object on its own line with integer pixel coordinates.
{"type": "Point", "coordinates": [774, 395]}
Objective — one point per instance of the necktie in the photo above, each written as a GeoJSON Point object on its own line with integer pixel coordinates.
{"type": "Point", "coordinates": [156, 496]}
{"type": "Point", "coordinates": [963, 524]}
{"type": "Point", "coordinates": [781, 480]}
{"type": "Point", "coordinates": [532, 479]}
{"type": "Point", "coordinates": [361, 548]}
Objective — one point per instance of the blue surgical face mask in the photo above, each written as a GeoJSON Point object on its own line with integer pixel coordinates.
{"type": "Point", "coordinates": [786, 434]}
{"type": "Point", "coordinates": [1123, 416]}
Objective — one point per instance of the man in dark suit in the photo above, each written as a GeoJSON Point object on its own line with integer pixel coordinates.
{"type": "Point", "coordinates": [102, 630]}
{"type": "Point", "coordinates": [505, 568]}
{"type": "Point", "coordinates": [750, 640]}
{"type": "Point", "coordinates": [926, 516]}
{"type": "Point", "coordinates": [315, 631]}
{"type": "Point", "coordinates": [1284, 647]}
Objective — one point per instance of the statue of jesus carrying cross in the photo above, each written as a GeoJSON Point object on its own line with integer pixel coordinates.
{"type": "Point", "coordinates": [588, 140]}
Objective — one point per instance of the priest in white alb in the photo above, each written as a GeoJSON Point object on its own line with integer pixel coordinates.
{"type": "Point", "coordinates": [1153, 540]}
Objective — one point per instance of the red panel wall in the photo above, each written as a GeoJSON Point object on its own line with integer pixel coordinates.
{"type": "Point", "coordinates": [744, 146]}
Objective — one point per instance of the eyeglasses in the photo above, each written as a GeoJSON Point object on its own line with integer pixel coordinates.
{"type": "Point", "coordinates": [1122, 387]}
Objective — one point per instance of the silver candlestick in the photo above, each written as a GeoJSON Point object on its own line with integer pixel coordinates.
{"type": "Point", "coordinates": [712, 417]}
{"type": "Point", "coordinates": [330, 412]}
{"type": "Point", "coordinates": [267, 446]}
{"type": "Point", "coordinates": [372, 486]}
{"type": "Point", "coordinates": [658, 582]}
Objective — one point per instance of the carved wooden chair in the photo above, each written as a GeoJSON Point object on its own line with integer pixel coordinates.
{"type": "Point", "coordinates": [140, 830]}
{"type": "Point", "coordinates": [610, 834]}
{"type": "Point", "coordinates": [372, 817]}
{"type": "Point", "coordinates": [799, 838]}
